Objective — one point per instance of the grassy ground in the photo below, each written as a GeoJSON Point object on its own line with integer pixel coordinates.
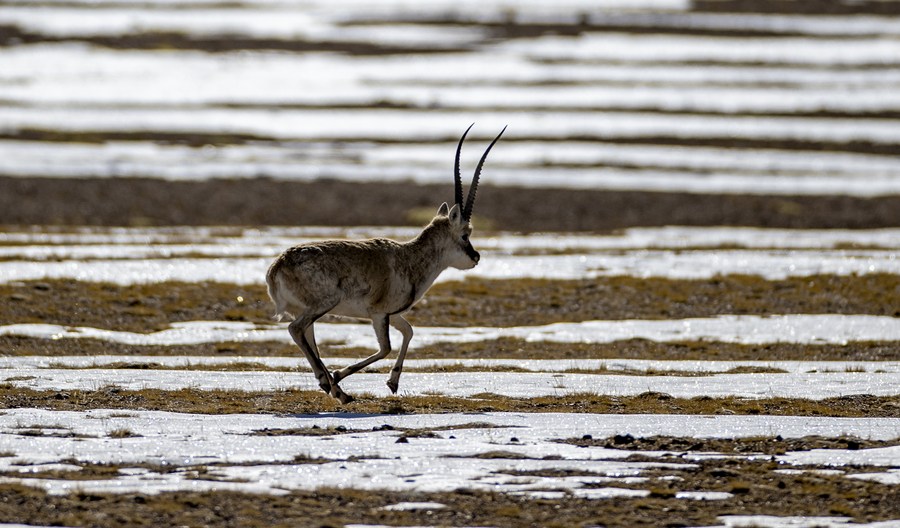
{"type": "Point", "coordinates": [308, 402]}
{"type": "Point", "coordinates": [490, 349]}
{"type": "Point", "coordinates": [521, 302]}
{"type": "Point", "coordinates": [143, 202]}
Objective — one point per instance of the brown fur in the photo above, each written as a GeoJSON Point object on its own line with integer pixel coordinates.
{"type": "Point", "coordinates": [377, 279]}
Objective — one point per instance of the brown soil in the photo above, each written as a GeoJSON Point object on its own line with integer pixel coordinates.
{"type": "Point", "coordinates": [490, 349]}
{"type": "Point", "coordinates": [521, 302]}
{"type": "Point", "coordinates": [309, 402]}
{"type": "Point", "coordinates": [11, 35]}
{"type": "Point", "coordinates": [535, 302]}
{"type": "Point", "coordinates": [144, 202]}
{"type": "Point", "coordinates": [766, 445]}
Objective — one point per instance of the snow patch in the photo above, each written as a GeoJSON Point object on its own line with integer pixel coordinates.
{"type": "Point", "coordinates": [368, 456]}
{"type": "Point", "coordinates": [745, 329]}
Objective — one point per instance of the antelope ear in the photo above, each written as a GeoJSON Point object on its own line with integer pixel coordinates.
{"type": "Point", "coordinates": [455, 214]}
{"type": "Point", "coordinates": [444, 209]}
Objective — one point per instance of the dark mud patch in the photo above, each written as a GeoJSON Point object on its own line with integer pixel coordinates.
{"type": "Point", "coordinates": [310, 402]}
{"type": "Point", "coordinates": [263, 201]}
{"type": "Point", "coordinates": [520, 302]}
{"type": "Point", "coordinates": [766, 445]}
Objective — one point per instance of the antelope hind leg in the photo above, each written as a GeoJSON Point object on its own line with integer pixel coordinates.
{"type": "Point", "coordinates": [299, 330]}
{"type": "Point", "coordinates": [333, 389]}
{"type": "Point", "coordinates": [404, 327]}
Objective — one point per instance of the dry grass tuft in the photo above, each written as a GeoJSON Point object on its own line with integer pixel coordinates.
{"type": "Point", "coordinates": [311, 402]}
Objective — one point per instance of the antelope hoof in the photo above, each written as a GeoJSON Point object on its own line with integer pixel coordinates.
{"type": "Point", "coordinates": [393, 385]}
{"type": "Point", "coordinates": [344, 398]}
{"type": "Point", "coordinates": [336, 392]}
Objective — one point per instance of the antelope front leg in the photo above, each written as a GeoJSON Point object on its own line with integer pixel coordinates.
{"type": "Point", "coordinates": [398, 322]}
{"type": "Point", "coordinates": [380, 324]}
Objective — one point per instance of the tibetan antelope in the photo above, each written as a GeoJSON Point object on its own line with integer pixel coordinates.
{"type": "Point", "coordinates": [376, 279]}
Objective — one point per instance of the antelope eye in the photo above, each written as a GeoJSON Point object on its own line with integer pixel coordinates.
{"type": "Point", "coordinates": [465, 237]}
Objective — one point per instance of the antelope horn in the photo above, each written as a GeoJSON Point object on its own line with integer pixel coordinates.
{"type": "Point", "coordinates": [457, 180]}
{"type": "Point", "coordinates": [470, 201]}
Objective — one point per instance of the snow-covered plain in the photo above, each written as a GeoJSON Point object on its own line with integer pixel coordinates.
{"type": "Point", "coordinates": [371, 124]}
{"type": "Point", "coordinates": [624, 366]}
{"type": "Point", "coordinates": [340, 115]}
{"type": "Point", "coordinates": [122, 243]}
{"type": "Point", "coordinates": [127, 256]}
{"type": "Point", "coordinates": [368, 456]}
{"type": "Point", "coordinates": [809, 109]}
{"type": "Point", "coordinates": [815, 385]}
{"type": "Point", "coordinates": [746, 329]}
{"type": "Point", "coordinates": [688, 264]}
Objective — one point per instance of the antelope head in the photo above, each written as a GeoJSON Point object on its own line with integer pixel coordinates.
{"type": "Point", "coordinates": [463, 256]}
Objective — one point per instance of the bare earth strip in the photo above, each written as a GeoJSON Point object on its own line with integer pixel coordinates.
{"type": "Point", "coordinates": [490, 349]}
{"type": "Point", "coordinates": [308, 402]}
{"type": "Point", "coordinates": [765, 445]}
{"type": "Point", "coordinates": [161, 40]}
{"type": "Point", "coordinates": [522, 302]}
{"type": "Point", "coordinates": [122, 202]}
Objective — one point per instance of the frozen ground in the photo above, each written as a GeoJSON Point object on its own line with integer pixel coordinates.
{"type": "Point", "coordinates": [625, 366]}
{"type": "Point", "coordinates": [692, 264]}
{"type": "Point", "coordinates": [126, 257]}
{"type": "Point", "coordinates": [157, 452]}
{"type": "Point", "coordinates": [510, 453]}
{"type": "Point", "coordinates": [373, 92]}
{"type": "Point", "coordinates": [815, 385]}
{"type": "Point", "coordinates": [747, 329]}
{"type": "Point", "coordinates": [696, 264]}
{"type": "Point", "coordinates": [369, 456]}
{"type": "Point", "coordinates": [641, 96]}
{"type": "Point", "coordinates": [75, 242]}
